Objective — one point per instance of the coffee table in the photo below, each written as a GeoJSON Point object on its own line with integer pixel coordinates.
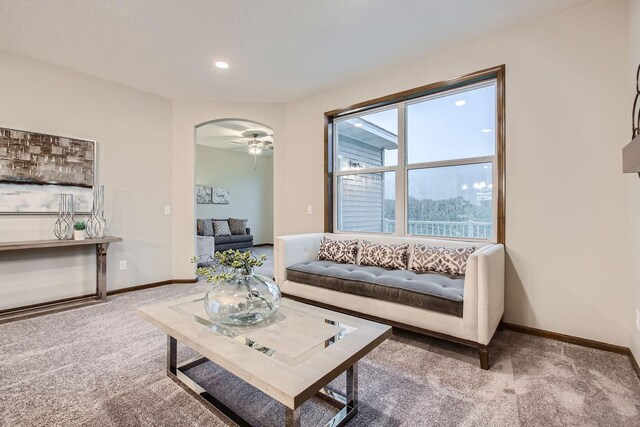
{"type": "Point", "coordinates": [291, 358]}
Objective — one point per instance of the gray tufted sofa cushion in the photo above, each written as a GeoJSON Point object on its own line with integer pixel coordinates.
{"type": "Point", "coordinates": [430, 291]}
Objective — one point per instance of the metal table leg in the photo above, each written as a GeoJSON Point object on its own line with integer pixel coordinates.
{"type": "Point", "coordinates": [101, 270]}
{"type": "Point", "coordinates": [352, 388]}
{"type": "Point", "coordinates": [292, 417]}
{"type": "Point", "coordinates": [177, 374]}
{"type": "Point", "coordinates": [172, 354]}
{"type": "Point", "coordinates": [347, 403]}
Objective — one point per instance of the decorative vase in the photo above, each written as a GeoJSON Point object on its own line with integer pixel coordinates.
{"type": "Point", "coordinates": [78, 234]}
{"type": "Point", "coordinates": [63, 228]}
{"type": "Point", "coordinates": [244, 299]}
{"type": "Point", "coordinates": [97, 224]}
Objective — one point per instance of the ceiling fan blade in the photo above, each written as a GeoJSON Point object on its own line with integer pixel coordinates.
{"type": "Point", "coordinates": [237, 142]}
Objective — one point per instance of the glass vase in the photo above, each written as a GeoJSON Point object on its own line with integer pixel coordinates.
{"type": "Point", "coordinates": [63, 228]}
{"type": "Point", "coordinates": [245, 299]}
{"type": "Point", "coordinates": [97, 224]}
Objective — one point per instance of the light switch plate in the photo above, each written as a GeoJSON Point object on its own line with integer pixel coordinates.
{"type": "Point", "coordinates": [123, 265]}
{"type": "Point", "coordinates": [167, 210]}
{"type": "Point", "coordinates": [637, 320]}
{"type": "Point", "coordinates": [309, 210]}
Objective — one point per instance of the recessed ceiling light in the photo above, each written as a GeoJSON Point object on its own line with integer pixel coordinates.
{"type": "Point", "coordinates": [460, 103]}
{"type": "Point", "coordinates": [485, 130]}
{"type": "Point", "coordinates": [358, 125]}
{"type": "Point", "coordinates": [221, 64]}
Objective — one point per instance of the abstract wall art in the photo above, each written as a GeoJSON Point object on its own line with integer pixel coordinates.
{"type": "Point", "coordinates": [203, 195]}
{"type": "Point", "coordinates": [36, 168]}
{"type": "Point", "coordinates": [220, 196]}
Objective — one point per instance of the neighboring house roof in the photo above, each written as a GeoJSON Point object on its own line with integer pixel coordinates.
{"type": "Point", "coordinates": [364, 131]}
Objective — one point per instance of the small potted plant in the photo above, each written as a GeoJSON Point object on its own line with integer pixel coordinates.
{"type": "Point", "coordinates": [79, 230]}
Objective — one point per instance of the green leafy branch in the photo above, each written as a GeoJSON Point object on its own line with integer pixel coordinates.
{"type": "Point", "coordinates": [223, 265]}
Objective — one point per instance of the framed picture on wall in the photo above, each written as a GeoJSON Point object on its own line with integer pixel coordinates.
{"type": "Point", "coordinates": [220, 196]}
{"type": "Point", "coordinates": [203, 195]}
{"type": "Point", "coordinates": [36, 168]}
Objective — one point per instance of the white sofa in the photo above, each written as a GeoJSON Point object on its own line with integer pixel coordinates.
{"type": "Point", "coordinates": [483, 292]}
{"type": "Point", "coordinates": [206, 247]}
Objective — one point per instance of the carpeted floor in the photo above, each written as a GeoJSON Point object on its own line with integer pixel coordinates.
{"type": "Point", "coordinates": [104, 366]}
{"type": "Point", "coordinates": [266, 269]}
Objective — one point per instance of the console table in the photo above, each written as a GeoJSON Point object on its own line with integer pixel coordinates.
{"type": "Point", "coordinates": [67, 303]}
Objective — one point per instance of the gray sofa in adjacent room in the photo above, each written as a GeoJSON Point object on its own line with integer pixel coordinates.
{"type": "Point", "coordinates": [208, 242]}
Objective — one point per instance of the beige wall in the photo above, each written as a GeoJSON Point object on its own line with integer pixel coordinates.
{"type": "Point", "coordinates": [250, 189]}
{"type": "Point", "coordinates": [633, 181]}
{"type": "Point", "coordinates": [187, 115]}
{"type": "Point", "coordinates": [133, 133]}
{"type": "Point", "coordinates": [567, 117]}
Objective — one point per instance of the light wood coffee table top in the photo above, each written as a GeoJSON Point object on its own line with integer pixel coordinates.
{"type": "Point", "coordinates": [289, 358]}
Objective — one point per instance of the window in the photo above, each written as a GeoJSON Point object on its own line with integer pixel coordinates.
{"type": "Point", "coordinates": [367, 161]}
{"type": "Point", "coordinates": [427, 162]}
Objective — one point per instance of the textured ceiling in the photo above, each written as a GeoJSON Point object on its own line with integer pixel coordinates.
{"type": "Point", "coordinates": [279, 50]}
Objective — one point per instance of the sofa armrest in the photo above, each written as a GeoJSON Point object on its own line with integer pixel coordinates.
{"type": "Point", "coordinates": [290, 250]}
{"type": "Point", "coordinates": [490, 291]}
{"type": "Point", "coordinates": [205, 246]}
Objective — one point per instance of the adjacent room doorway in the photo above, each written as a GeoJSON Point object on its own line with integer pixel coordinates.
{"type": "Point", "coordinates": [234, 180]}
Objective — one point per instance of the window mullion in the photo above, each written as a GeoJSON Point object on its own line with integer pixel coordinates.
{"type": "Point", "coordinates": [334, 182]}
{"type": "Point", "coordinates": [452, 162]}
{"type": "Point", "coordinates": [401, 174]}
{"type": "Point", "coordinates": [366, 171]}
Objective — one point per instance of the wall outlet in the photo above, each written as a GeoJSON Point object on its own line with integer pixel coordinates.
{"type": "Point", "coordinates": [123, 265]}
{"type": "Point", "coordinates": [167, 210]}
{"type": "Point", "coordinates": [309, 210]}
{"type": "Point", "coordinates": [637, 320]}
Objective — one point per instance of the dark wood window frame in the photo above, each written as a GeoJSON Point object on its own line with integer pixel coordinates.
{"type": "Point", "coordinates": [497, 73]}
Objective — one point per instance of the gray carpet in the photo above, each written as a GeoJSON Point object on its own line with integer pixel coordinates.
{"type": "Point", "coordinates": [104, 366]}
{"type": "Point", "coordinates": [266, 269]}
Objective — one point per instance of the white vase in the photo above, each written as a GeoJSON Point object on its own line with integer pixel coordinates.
{"type": "Point", "coordinates": [78, 234]}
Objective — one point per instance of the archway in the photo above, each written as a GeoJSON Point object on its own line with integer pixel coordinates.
{"type": "Point", "coordinates": [233, 182]}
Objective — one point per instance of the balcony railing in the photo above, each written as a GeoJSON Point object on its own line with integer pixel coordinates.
{"type": "Point", "coordinates": [473, 229]}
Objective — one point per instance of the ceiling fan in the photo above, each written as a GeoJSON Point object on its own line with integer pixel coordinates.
{"type": "Point", "coordinates": [255, 140]}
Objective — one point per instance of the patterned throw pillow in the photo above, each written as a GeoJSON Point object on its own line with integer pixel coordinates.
{"type": "Point", "coordinates": [238, 226]}
{"type": "Point", "coordinates": [343, 251]}
{"type": "Point", "coordinates": [386, 256]}
{"type": "Point", "coordinates": [431, 259]}
{"type": "Point", "coordinates": [205, 228]}
{"type": "Point", "coordinates": [221, 228]}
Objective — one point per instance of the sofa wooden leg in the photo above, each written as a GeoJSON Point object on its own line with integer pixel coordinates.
{"type": "Point", "coordinates": [483, 352]}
